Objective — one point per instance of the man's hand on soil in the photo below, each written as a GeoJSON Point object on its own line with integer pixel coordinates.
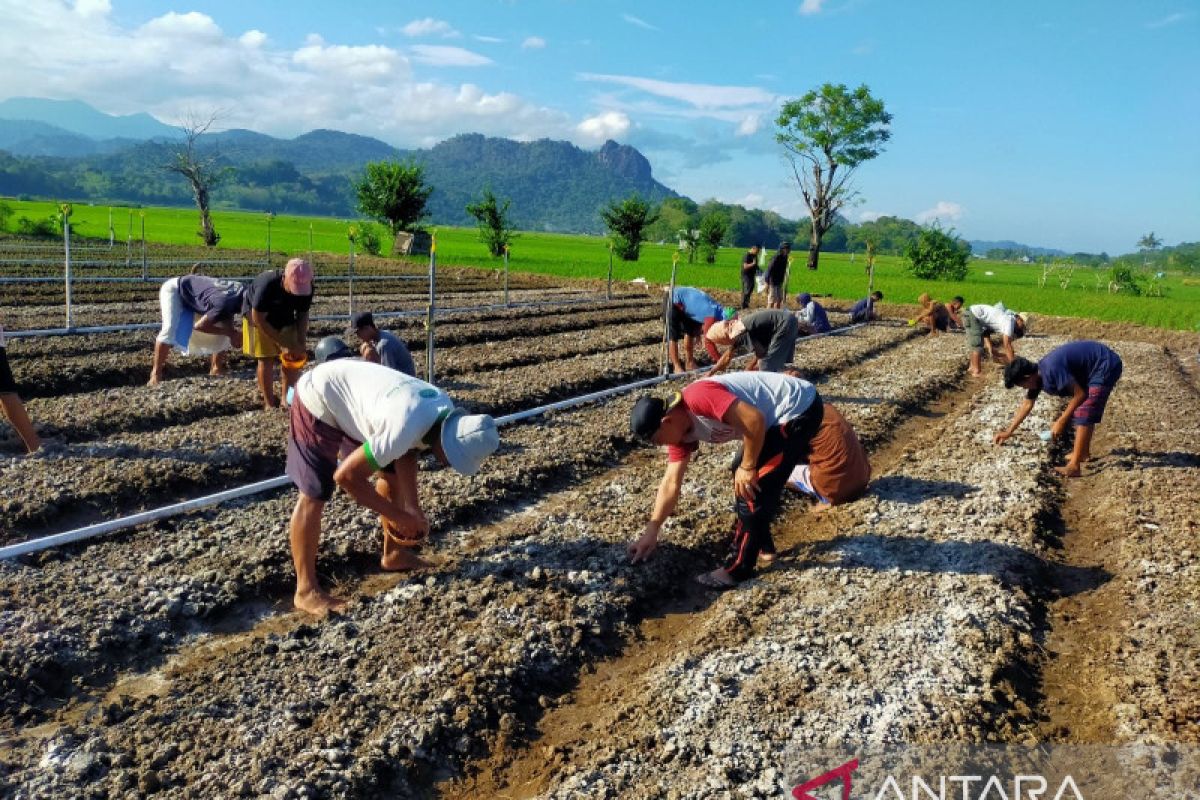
{"type": "Point", "coordinates": [643, 548]}
{"type": "Point", "coordinates": [1001, 437]}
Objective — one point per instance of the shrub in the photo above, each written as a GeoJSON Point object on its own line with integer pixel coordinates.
{"type": "Point", "coordinates": [938, 255]}
{"type": "Point", "coordinates": [36, 227]}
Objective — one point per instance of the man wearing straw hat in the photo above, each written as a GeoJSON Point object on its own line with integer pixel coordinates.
{"type": "Point", "coordinates": [275, 325]}
{"type": "Point", "coordinates": [770, 333]}
{"type": "Point", "coordinates": [378, 421]}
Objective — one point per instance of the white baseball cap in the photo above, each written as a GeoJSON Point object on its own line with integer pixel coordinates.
{"type": "Point", "coordinates": [467, 439]}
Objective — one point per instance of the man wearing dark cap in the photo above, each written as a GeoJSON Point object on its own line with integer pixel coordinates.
{"type": "Point", "coordinates": [1084, 371]}
{"type": "Point", "coordinates": [775, 416]}
{"type": "Point", "coordinates": [777, 275]}
{"type": "Point", "coordinates": [864, 310]}
{"type": "Point", "coordinates": [811, 316]}
{"type": "Point", "coordinates": [381, 347]}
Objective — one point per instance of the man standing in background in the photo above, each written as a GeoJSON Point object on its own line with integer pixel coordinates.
{"type": "Point", "coordinates": [749, 273]}
{"type": "Point", "coordinates": [777, 274]}
{"type": "Point", "coordinates": [275, 325]}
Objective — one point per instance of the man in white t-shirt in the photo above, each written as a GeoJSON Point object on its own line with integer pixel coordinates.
{"type": "Point", "coordinates": [376, 420]}
{"type": "Point", "coordinates": [981, 321]}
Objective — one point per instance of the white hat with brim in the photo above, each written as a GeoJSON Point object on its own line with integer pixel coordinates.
{"type": "Point", "coordinates": [467, 439]}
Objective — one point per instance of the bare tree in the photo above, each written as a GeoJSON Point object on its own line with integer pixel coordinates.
{"type": "Point", "coordinates": [202, 170]}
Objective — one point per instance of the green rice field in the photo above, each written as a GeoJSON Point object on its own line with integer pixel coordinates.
{"type": "Point", "coordinates": [840, 276]}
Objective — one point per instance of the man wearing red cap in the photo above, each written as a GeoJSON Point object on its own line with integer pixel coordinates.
{"type": "Point", "coordinates": [275, 324]}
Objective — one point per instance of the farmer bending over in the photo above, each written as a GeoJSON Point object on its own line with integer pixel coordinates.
{"type": "Point", "coordinates": [981, 321]}
{"type": "Point", "coordinates": [692, 313]}
{"type": "Point", "coordinates": [1084, 371]}
{"type": "Point", "coordinates": [182, 300]}
{"type": "Point", "coordinates": [811, 316]}
{"type": "Point", "coordinates": [775, 416]}
{"type": "Point", "coordinates": [771, 334]}
{"type": "Point", "coordinates": [379, 346]}
{"type": "Point", "coordinates": [378, 420]}
{"type": "Point", "coordinates": [837, 470]}
{"type": "Point", "coordinates": [864, 310]}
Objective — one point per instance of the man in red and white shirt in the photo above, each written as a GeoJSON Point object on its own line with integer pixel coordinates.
{"type": "Point", "coordinates": [775, 416]}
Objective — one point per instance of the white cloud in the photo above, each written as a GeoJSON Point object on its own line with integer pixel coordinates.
{"type": "Point", "coordinates": [604, 126]}
{"type": "Point", "coordinates": [1169, 19]}
{"type": "Point", "coordinates": [430, 27]}
{"type": "Point", "coordinates": [944, 211]}
{"type": "Point", "coordinates": [641, 23]}
{"type": "Point", "coordinates": [179, 63]}
{"type": "Point", "coordinates": [488, 39]}
{"type": "Point", "coordinates": [533, 43]}
{"type": "Point", "coordinates": [253, 38]}
{"type": "Point", "coordinates": [871, 216]}
{"type": "Point", "coordinates": [92, 8]}
{"type": "Point", "coordinates": [749, 125]}
{"type": "Point", "coordinates": [698, 95]}
{"type": "Point", "coordinates": [437, 55]}
{"type": "Point", "coordinates": [752, 200]}
{"type": "Point", "coordinates": [809, 7]}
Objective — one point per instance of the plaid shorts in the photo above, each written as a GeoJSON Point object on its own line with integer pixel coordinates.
{"type": "Point", "coordinates": [1091, 411]}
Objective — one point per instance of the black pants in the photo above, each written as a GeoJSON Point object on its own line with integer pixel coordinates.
{"type": "Point", "coordinates": [747, 286]}
{"type": "Point", "coordinates": [783, 448]}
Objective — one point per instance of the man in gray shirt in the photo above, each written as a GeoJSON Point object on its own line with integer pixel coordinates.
{"type": "Point", "coordinates": [770, 333]}
{"type": "Point", "coordinates": [381, 347]}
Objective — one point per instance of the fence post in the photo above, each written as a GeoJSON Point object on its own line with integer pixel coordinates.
{"type": "Point", "coordinates": [610, 267]}
{"type": "Point", "coordinates": [129, 243]}
{"type": "Point", "coordinates": [430, 309]}
{"type": "Point", "coordinates": [66, 218]}
{"type": "Point", "coordinates": [668, 307]}
{"type": "Point", "coordinates": [506, 275]}
{"type": "Point", "coordinates": [145, 271]}
{"type": "Point", "coordinates": [351, 277]}
{"type": "Point", "coordinates": [112, 235]}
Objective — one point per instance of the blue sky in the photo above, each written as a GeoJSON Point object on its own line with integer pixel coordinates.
{"type": "Point", "coordinates": [1064, 124]}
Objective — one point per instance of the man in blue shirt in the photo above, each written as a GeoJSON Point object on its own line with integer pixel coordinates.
{"type": "Point", "coordinates": [811, 316]}
{"type": "Point", "coordinates": [864, 310]}
{"type": "Point", "coordinates": [692, 313]}
{"type": "Point", "coordinates": [1084, 371]}
{"type": "Point", "coordinates": [381, 347]}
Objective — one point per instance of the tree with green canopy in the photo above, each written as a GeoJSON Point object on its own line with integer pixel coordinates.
{"type": "Point", "coordinates": [826, 135]}
{"type": "Point", "coordinates": [394, 193]}
{"type": "Point", "coordinates": [495, 229]}
{"type": "Point", "coordinates": [627, 222]}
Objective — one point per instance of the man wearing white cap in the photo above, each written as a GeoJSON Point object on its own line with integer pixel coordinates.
{"type": "Point", "coordinates": [980, 321]}
{"type": "Point", "coordinates": [377, 420]}
{"type": "Point", "coordinates": [771, 334]}
{"type": "Point", "coordinates": [275, 324]}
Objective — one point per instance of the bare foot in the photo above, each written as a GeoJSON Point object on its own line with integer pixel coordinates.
{"type": "Point", "coordinates": [154, 379]}
{"type": "Point", "coordinates": [974, 374]}
{"type": "Point", "coordinates": [218, 372]}
{"type": "Point", "coordinates": [717, 579]}
{"type": "Point", "coordinates": [318, 603]}
{"type": "Point", "coordinates": [767, 559]}
{"type": "Point", "coordinates": [1069, 470]}
{"type": "Point", "coordinates": [403, 560]}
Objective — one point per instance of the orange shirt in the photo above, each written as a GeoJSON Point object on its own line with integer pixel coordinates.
{"type": "Point", "coordinates": [838, 464]}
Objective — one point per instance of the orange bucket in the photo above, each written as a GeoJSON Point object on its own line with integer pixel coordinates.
{"type": "Point", "coordinates": [293, 363]}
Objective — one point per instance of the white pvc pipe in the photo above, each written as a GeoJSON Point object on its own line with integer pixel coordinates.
{"type": "Point", "coordinates": [243, 278]}
{"type": "Point", "coordinates": [122, 523]}
{"type": "Point", "coordinates": [142, 326]}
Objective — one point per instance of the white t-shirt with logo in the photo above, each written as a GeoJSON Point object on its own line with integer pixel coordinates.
{"type": "Point", "coordinates": [996, 319]}
{"type": "Point", "coordinates": [388, 411]}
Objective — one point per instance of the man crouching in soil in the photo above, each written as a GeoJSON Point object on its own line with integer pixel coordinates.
{"type": "Point", "coordinates": [776, 416]}
{"type": "Point", "coordinates": [1084, 371]}
{"type": "Point", "coordinates": [378, 420]}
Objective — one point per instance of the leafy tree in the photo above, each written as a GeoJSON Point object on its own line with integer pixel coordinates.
{"type": "Point", "coordinates": [1122, 278]}
{"type": "Point", "coordinates": [201, 169]}
{"type": "Point", "coordinates": [938, 255]}
{"type": "Point", "coordinates": [712, 230]}
{"type": "Point", "coordinates": [366, 237]}
{"type": "Point", "coordinates": [674, 214]}
{"type": "Point", "coordinates": [495, 229]}
{"type": "Point", "coordinates": [1149, 242]}
{"type": "Point", "coordinates": [627, 222]}
{"type": "Point", "coordinates": [689, 240]}
{"type": "Point", "coordinates": [394, 193]}
{"type": "Point", "coordinates": [826, 135]}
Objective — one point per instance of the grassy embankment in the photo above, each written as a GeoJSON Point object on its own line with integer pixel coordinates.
{"type": "Point", "coordinates": [840, 276]}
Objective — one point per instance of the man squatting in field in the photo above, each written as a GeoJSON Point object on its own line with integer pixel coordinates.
{"type": "Point", "coordinates": [376, 420]}
{"type": "Point", "coordinates": [275, 325]}
{"type": "Point", "coordinates": [691, 314]}
{"type": "Point", "coordinates": [771, 334]}
{"type": "Point", "coordinates": [182, 299]}
{"type": "Point", "coordinates": [980, 321]}
{"type": "Point", "coordinates": [811, 316]}
{"type": "Point", "coordinates": [1084, 371]}
{"type": "Point", "coordinates": [381, 347]}
{"type": "Point", "coordinates": [780, 420]}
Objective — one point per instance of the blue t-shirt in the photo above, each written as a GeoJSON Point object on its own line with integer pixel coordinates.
{"type": "Point", "coordinates": [210, 296]}
{"type": "Point", "coordinates": [696, 304]}
{"type": "Point", "coordinates": [394, 353]}
{"type": "Point", "coordinates": [862, 308]}
{"type": "Point", "coordinates": [814, 314]}
{"type": "Point", "coordinates": [1084, 363]}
